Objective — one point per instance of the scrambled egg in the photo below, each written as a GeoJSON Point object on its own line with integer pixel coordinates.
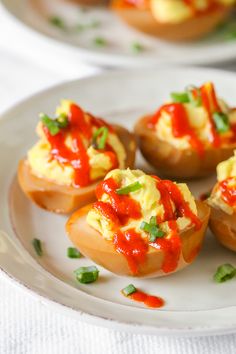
{"type": "Point", "coordinates": [177, 11]}
{"type": "Point", "coordinates": [44, 166]}
{"type": "Point", "coordinates": [198, 120]}
{"type": "Point", "coordinates": [149, 199]}
{"type": "Point", "coordinates": [225, 169]}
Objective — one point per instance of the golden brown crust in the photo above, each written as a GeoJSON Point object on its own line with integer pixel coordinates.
{"type": "Point", "coordinates": [102, 252]}
{"type": "Point", "coordinates": [223, 226]}
{"type": "Point", "coordinates": [187, 30]}
{"type": "Point", "coordinates": [173, 162]}
{"type": "Point", "coordinates": [63, 199]}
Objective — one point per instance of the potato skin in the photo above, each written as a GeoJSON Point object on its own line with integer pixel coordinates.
{"type": "Point", "coordinates": [223, 227]}
{"type": "Point", "coordinates": [65, 199]}
{"type": "Point", "coordinates": [176, 163]}
{"type": "Point", "coordinates": [188, 30]}
{"type": "Point", "coordinates": [102, 252]}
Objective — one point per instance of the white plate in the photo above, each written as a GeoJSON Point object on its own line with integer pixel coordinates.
{"type": "Point", "coordinates": [70, 46]}
{"type": "Point", "coordinates": [194, 303]}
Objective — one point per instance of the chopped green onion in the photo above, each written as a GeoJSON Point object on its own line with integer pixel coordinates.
{"type": "Point", "coordinates": [180, 97]}
{"type": "Point", "coordinates": [103, 131]}
{"type": "Point", "coordinates": [37, 246]}
{"type": "Point", "coordinates": [73, 253]}
{"type": "Point", "coordinates": [153, 229]}
{"type": "Point", "coordinates": [62, 121]}
{"type": "Point", "coordinates": [133, 187]}
{"type": "Point", "coordinates": [54, 125]}
{"type": "Point", "coordinates": [87, 275]}
{"type": "Point", "coordinates": [221, 122]}
{"type": "Point", "coordinates": [99, 42]}
{"type": "Point", "coordinates": [128, 290]}
{"type": "Point", "coordinates": [137, 47]}
{"type": "Point", "coordinates": [57, 22]}
{"type": "Point", "coordinates": [195, 101]}
{"type": "Point", "coordinates": [224, 272]}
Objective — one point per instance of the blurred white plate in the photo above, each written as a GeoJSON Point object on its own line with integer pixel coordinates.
{"type": "Point", "coordinates": [73, 45]}
{"type": "Point", "coordinates": [194, 303]}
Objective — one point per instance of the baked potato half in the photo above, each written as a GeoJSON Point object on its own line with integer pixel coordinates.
{"type": "Point", "coordinates": [190, 29]}
{"type": "Point", "coordinates": [94, 246]}
{"type": "Point", "coordinates": [64, 199]}
{"type": "Point", "coordinates": [173, 162]}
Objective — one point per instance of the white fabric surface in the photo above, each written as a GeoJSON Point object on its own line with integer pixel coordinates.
{"type": "Point", "coordinates": [26, 325]}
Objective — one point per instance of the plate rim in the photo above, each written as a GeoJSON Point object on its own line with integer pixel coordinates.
{"type": "Point", "coordinates": [94, 319]}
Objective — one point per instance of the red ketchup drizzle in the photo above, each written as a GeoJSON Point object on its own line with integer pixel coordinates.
{"type": "Point", "coordinates": [148, 300]}
{"type": "Point", "coordinates": [78, 158]}
{"type": "Point", "coordinates": [130, 243]}
{"type": "Point", "coordinates": [172, 245]}
{"type": "Point", "coordinates": [210, 103]}
{"type": "Point", "coordinates": [228, 193]}
{"type": "Point", "coordinates": [132, 246]}
{"type": "Point", "coordinates": [120, 209]}
{"type": "Point", "coordinates": [124, 206]}
{"type": "Point", "coordinates": [180, 124]}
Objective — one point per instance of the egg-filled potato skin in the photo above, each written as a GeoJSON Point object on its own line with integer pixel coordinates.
{"type": "Point", "coordinates": [65, 199]}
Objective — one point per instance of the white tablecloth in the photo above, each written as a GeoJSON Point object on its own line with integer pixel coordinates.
{"type": "Point", "coordinates": [26, 325]}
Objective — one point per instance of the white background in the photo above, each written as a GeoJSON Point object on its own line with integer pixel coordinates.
{"type": "Point", "coordinates": [26, 325]}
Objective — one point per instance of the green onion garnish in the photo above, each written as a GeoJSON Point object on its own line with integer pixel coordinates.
{"type": "Point", "coordinates": [99, 42]}
{"type": "Point", "coordinates": [54, 125]}
{"type": "Point", "coordinates": [224, 272]}
{"type": "Point", "coordinates": [133, 187]}
{"type": "Point", "coordinates": [128, 290]}
{"type": "Point", "coordinates": [37, 246]}
{"type": "Point", "coordinates": [153, 229]}
{"type": "Point", "coordinates": [57, 22]}
{"type": "Point", "coordinates": [103, 131]}
{"type": "Point", "coordinates": [194, 100]}
{"type": "Point", "coordinates": [180, 97]}
{"type": "Point", "coordinates": [221, 122]}
{"type": "Point", "coordinates": [73, 253]}
{"type": "Point", "coordinates": [137, 47]}
{"type": "Point", "coordinates": [87, 275]}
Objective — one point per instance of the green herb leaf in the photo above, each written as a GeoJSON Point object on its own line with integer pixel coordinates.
{"type": "Point", "coordinates": [224, 272]}
{"type": "Point", "coordinates": [103, 131]}
{"type": "Point", "coordinates": [180, 97]}
{"type": "Point", "coordinates": [87, 275]}
{"type": "Point", "coordinates": [128, 290]}
{"type": "Point", "coordinates": [57, 22]}
{"type": "Point", "coordinates": [100, 42]}
{"type": "Point", "coordinates": [137, 47]}
{"type": "Point", "coordinates": [54, 125]}
{"type": "Point", "coordinates": [73, 253]}
{"type": "Point", "coordinates": [133, 187]}
{"type": "Point", "coordinates": [221, 122]}
{"type": "Point", "coordinates": [37, 246]}
{"type": "Point", "coordinates": [153, 229]}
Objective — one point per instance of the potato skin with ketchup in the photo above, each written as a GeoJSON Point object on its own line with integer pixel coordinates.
{"type": "Point", "coordinates": [223, 204]}
{"type": "Point", "coordinates": [173, 156]}
{"type": "Point", "coordinates": [121, 245]}
{"type": "Point", "coordinates": [59, 198]}
{"type": "Point", "coordinates": [92, 245]}
{"type": "Point", "coordinates": [173, 162]}
{"type": "Point", "coordinates": [144, 20]}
